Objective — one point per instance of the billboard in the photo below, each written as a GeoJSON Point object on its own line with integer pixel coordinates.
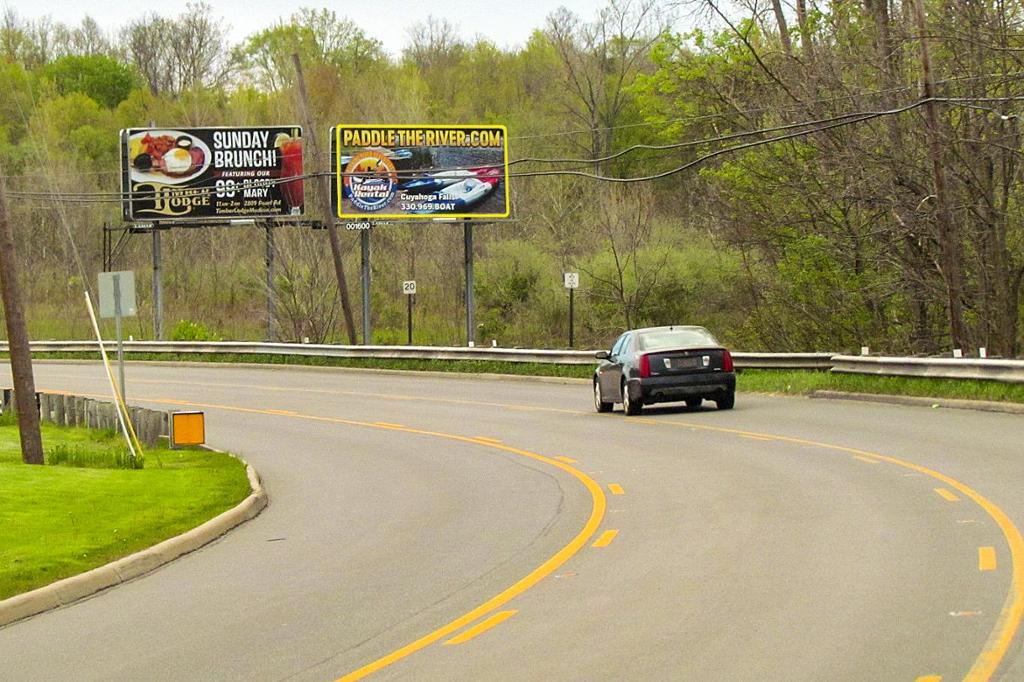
{"type": "Point", "coordinates": [386, 172]}
{"type": "Point", "coordinates": [211, 173]}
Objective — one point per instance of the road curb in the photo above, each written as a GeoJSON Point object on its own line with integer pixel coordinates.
{"type": "Point", "coordinates": [949, 403]}
{"type": "Point", "coordinates": [69, 590]}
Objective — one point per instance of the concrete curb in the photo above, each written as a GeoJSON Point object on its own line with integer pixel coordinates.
{"type": "Point", "coordinates": [69, 590]}
{"type": "Point", "coordinates": [949, 403]}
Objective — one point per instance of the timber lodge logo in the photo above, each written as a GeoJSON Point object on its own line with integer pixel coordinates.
{"type": "Point", "coordinates": [371, 181]}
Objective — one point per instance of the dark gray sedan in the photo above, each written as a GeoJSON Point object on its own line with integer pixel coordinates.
{"type": "Point", "coordinates": [664, 364]}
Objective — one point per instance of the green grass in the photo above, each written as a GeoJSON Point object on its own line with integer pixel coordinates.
{"type": "Point", "coordinates": [803, 382]}
{"type": "Point", "coordinates": [762, 381]}
{"type": "Point", "coordinates": [57, 521]}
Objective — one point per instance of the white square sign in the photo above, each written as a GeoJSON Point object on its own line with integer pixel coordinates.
{"type": "Point", "coordinates": [572, 280]}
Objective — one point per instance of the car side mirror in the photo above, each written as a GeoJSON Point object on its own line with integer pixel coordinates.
{"type": "Point", "coordinates": [602, 355]}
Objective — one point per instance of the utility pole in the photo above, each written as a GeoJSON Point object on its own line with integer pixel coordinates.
{"type": "Point", "coordinates": [17, 338]}
{"type": "Point", "coordinates": [949, 238]}
{"type": "Point", "coordinates": [325, 199]}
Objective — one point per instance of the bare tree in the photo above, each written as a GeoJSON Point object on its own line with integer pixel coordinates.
{"type": "Point", "coordinates": [175, 55]}
{"type": "Point", "coordinates": [600, 59]}
{"type": "Point", "coordinates": [625, 225]}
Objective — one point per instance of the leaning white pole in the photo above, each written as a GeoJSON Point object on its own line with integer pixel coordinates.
{"type": "Point", "coordinates": [121, 407]}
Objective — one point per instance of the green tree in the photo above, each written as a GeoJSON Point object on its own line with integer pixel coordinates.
{"type": "Point", "coordinates": [102, 78]}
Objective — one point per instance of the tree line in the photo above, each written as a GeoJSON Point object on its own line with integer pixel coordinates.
{"type": "Point", "coordinates": [820, 175]}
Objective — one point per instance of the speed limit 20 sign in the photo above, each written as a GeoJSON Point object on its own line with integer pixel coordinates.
{"type": "Point", "coordinates": [409, 287]}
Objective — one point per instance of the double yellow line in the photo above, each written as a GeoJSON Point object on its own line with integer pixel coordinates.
{"type": "Point", "coordinates": [984, 667]}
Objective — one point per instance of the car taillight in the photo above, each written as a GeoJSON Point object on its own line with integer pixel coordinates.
{"type": "Point", "coordinates": [645, 367]}
{"type": "Point", "coordinates": [726, 361]}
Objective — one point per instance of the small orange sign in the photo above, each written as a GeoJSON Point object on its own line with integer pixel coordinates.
{"type": "Point", "coordinates": [188, 428]}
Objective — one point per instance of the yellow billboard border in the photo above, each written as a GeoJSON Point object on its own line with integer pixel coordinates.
{"type": "Point", "coordinates": [418, 216]}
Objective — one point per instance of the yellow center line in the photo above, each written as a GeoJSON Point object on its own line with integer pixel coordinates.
{"type": "Point", "coordinates": [947, 495]}
{"type": "Point", "coordinates": [866, 459]}
{"type": "Point", "coordinates": [986, 558]}
{"type": "Point", "coordinates": [482, 627]}
{"type": "Point", "coordinates": [552, 564]}
{"type": "Point", "coordinates": [485, 439]}
{"type": "Point", "coordinates": [616, 489]}
{"type": "Point", "coordinates": [605, 539]}
{"type": "Point", "coordinates": [535, 576]}
{"type": "Point", "coordinates": [753, 437]}
{"type": "Point", "coordinates": [567, 460]}
{"type": "Point", "coordinates": [1010, 616]}
{"type": "Point", "coordinates": [930, 678]}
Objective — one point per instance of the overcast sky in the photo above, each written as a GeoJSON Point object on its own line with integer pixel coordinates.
{"type": "Point", "coordinates": [507, 24]}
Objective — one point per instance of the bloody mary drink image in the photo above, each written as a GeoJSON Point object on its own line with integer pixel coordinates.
{"type": "Point", "coordinates": [291, 167]}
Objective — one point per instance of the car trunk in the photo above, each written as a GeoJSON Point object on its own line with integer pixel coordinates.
{"type": "Point", "coordinates": [686, 361]}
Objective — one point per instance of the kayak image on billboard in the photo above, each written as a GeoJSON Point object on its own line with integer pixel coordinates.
{"type": "Point", "coordinates": [434, 182]}
{"type": "Point", "coordinates": [170, 157]}
{"type": "Point", "coordinates": [458, 197]}
{"type": "Point", "coordinates": [453, 171]}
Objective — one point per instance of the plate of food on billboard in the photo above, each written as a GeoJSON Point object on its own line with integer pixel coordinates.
{"type": "Point", "coordinates": [211, 173]}
{"type": "Point", "coordinates": [417, 171]}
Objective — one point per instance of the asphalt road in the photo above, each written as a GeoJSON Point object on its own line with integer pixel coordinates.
{"type": "Point", "coordinates": [447, 528]}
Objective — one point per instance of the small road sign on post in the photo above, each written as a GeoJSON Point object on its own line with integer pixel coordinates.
{"type": "Point", "coordinates": [572, 282]}
{"type": "Point", "coordinates": [409, 289]}
{"type": "Point", "coordinates": [117, 300]}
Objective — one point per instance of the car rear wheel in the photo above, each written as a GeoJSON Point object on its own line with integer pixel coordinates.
{"type": "Point", "coordinates": [727, 402]}
{"type": "Point", "coordinates": [630, 406]}
{"type": "Point", "coordinates": [599, 404]}
{"type": "Point", "coordinates": [694, 403]}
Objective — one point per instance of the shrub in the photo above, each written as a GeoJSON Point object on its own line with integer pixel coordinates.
{"type": "Point", "coordinates": [95, 457]}
{"type": "Point", "coordinates": [187, 330]}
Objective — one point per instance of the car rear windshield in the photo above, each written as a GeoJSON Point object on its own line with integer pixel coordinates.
{"type": "Point", "coordinates": [676, 338]}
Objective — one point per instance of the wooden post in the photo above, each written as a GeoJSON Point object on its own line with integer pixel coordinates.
{"type": "Point", "coordinates": [58, 410]}
{"type": "Point", "coordinates": [325, 200]}
{"type": "Point", "coordinates": [44, 407]}
{"type": "Point", "coordinates": [18, 344]}
{"type": "Point", "coordinates": [949, 237]}
{"type": "Point", "coordinates": [79, 410]}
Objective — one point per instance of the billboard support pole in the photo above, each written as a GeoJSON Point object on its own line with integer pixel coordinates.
{"type": "Point", "coordinates": [158, 289]}
{"type": "Point", "coordinates": [408, 311]}
{"type": "Point", "coordinates": [364, 246]}
{"type": "Point", "coordinates": [269, 260]}
{"type": "Point", "coordinates": [106, 246]}
{"type": "Point", "coordinates": [467, 238]}
{"type": "Point", "coordinates": [572, 339]}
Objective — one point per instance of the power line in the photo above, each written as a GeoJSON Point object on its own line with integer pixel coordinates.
{"type": "Point", "coordinates": [1016, 75]}
{"type": "Point", "coordinates": [806, 128]}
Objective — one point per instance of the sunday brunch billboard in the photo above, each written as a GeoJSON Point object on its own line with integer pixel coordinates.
{"type": "Point", "coordinates": [388, 172]}
{"type": "Point", "coordinates": [204, 173]}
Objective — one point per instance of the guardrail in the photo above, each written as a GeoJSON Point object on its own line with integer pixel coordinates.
{"type": "Point", "coordinates": [1009, 371]}
{"type": "Point", "coordinates": [947, 368]}
{"type": "Point", "coordinates": [557, 357]}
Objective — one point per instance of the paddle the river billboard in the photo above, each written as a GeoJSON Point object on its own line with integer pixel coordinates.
{"type": "Point", "coordinates": [388, 172]}
{"type": "Point", "coordinates": [211, 173]}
